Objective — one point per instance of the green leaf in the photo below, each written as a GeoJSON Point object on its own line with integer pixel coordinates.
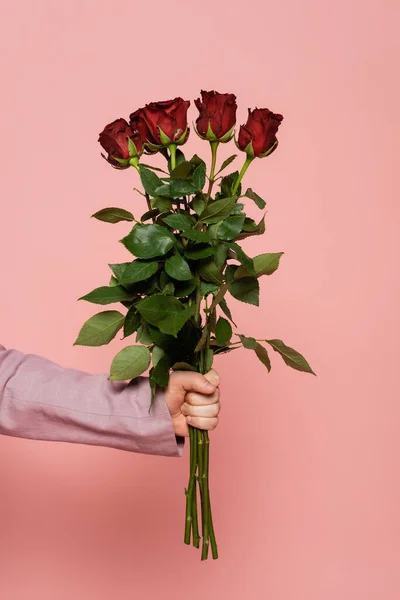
{"type": "Point", "coordinates": [223, 331]}
{"type": "Point", "coordinates": [153, 168]}
{"type": "Point", "coordinates": [208, 288]}
{"type": "Point", "coordinates": [132, 321]}
{"type": "Point", "coordinates": [177, 267]}
{"type": "Point", "coordinates": [100, 329]}
{"type": "Point", "coordinates": [218, 210]}
{"type": "Point", "coordinates": [150, 180]}
{"type": "Point", "coordinates": [210, 272]}
{"type": "Point", "coordinates": [183, 170]}
{"type": "Point", "coordinates": [264, 264]}
{"type": "Point", "coordinates": [230, 228]}
{"type": "Point", "coordinates": [143, 334]}
{"type": "Point", "coordinates": [181, 222]}
{"type": "Point", "coordinates": [227, 162]}
{"type": "Point", "coordinates": [156, 355]}
{"type": "Point", "coordinates": [227, 183]}
{"type": "Point", "coordinates": [131, 362]}
{"type": "Point", "coordinates": [220, 255]}
{"type": "Point", "coordinates": [148, 241]}
{"type": "Point", "coordinates": [196, 235]}
{"type": "Point", "coordinates": [185, 288]}
{"type": "Point", "coordinates": [138, 270]}
{"type": "Point", "coordinates": [165, 312]}
{"type": "Point", "coordinates": [291, 357]}
{"type": "Point", "coordinates": [200, 252]}
{"type": "Point", "coordinates": [262, 354]}
{"type": "Point", "coordinates": [160, 372]}
{"type": "Point", "coordinates": [237, 209]}
{"type": "Point", "coordinates": [107, 295]}
{"type": "Point", "coordinates": [199, 177]}
{"type": "Point", "coordinates": [246, 290]}
{"type": "Point", "coordinates": [256, 229]}
{"type": "Point", "coordinates": [113, 281]}
{"type": "Point", "coordinates": [162, 204]}
{"type": "Point", "coordinates": [175, 188]}
{"type": "Point", "coordinates": [225, 309]}
{"type": "Point", "coordinates": [257, 199]}
{"type": "Point", "coordinates": [248, 342]}
{"type": "Point", "coordinates": [242, 257]}
{"type": "Point", "coordinates": [198, 204]}
{"type": "Point", "coordinates": [150, 214]}
{"type": "Point", "coordinates": [113, 215]}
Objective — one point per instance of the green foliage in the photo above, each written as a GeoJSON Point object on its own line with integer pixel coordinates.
{"type": "Point", "coordinates": [138, 270]}
{"type": "Point", "coordinates": [107, 295]}
{"type": "Point", "coordinates": [150, 181]}
{"type": "Point", "coordinates": [149, 241]}
{"type": "Point", "coordinates": [230, 228]}
{"type": "Point", "coordinates": [100, 329]}
{"type": "Point", "coordinates": [181, 222]}
{"type": "Point", "coordinates": [291, 357]}
{"type": "Point", "coordinates": [165, 312]}
{"type": "Point", "coordinates": [178, 268]}
{"type": "Point", "coordinates": [227, 184]}
{"type": "Point", "coordinates": [223, 331]}
{"type": "Point", "coordinates": [131, 362]}
{"type": "Point", "coordinates": [218, 210]}
{"type": "Point", "coordinates": [113, 215]}
{"type": "Point", "coordinates": [257, 199]}
{"type": "Point", "coordinates": [248, 342]}
{"type": "Point", "coordinates": [246, 290]}
{"type": "Point", "coordinates": [210, 272]}
{"type": "Point", "coordinates": [227, 162]}
{"type": "Point", "coordinates": [264, 264]}
{"type": "Point", "coordinates": [132, 321]}
{"type": "Point", "coordinates": [263, 356]}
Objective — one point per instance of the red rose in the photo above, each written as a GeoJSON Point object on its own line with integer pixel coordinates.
{"type": "Point", "coordinates": [138, 122]}
{"type": "Point", "coordinates": [258, 136]}
{"type": "Point", "coordinates": [217, 116]}
{"type": "Point", "coordinates": [166, 121]}
{"type": "Point", "coordinates": [115, 140]}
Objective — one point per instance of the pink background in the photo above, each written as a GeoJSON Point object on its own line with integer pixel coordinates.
{"type": "Point", "coordinates": [305, 471]}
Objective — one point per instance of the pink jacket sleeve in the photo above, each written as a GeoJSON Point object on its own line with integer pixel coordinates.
{"type": "Point", "coordinates": [42, 400]}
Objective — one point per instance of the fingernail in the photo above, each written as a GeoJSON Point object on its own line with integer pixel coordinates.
{"type": "Point", "coordinates": [209, 386]}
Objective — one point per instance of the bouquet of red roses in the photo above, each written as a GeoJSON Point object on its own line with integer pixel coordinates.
{"type": "Point", "coordinates": [187, 260]}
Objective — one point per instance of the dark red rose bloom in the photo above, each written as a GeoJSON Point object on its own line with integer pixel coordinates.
{"type": "Point", "coordinates": [217, 111]}
{"type": "Point", "coordinates": [260, 132]}
{"type": "Point", "coordinates": [138, 122]}
{"type": "Point", "coordinates": [114, 140]}
{"type": "Point", "coordinates": [170, 116]}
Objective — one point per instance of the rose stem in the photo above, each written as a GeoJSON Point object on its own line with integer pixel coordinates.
{"type": "Point", "coordinates": [189, 492]}
{"type": "Point", "coordinates": [172, 149]}
{"type": "Point", "coordinates": [214, 147]}
{"type": "Point", "coordinates": [195, 524]}
{"type": "Point", "coordinates": [204, 510]}
{"type": "Point", "coordinates": [214, 548]}
{"type": "Point", "coordinates": [246, 164]}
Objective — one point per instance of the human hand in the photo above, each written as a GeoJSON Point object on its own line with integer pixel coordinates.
{"type": "Point", "coordinates": [193, 399]}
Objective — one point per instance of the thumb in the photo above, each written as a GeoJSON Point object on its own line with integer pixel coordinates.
{"type": "Point", "coordinates": [213, 377]}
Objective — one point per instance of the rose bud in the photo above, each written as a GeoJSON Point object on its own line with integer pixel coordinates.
{"type": "Point", "coordinates": [122, 144]}
{"type": "Point", "coordinates": [258, 136]}
{"type": "Point", "coordinates": [217, 117]}
{"type": "Point", "coordinates": [138, 123]}
{"type": "Point", "coordinates": [167, 122]}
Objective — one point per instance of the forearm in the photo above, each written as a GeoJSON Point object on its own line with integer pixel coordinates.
{"type": "Point", "coordinates": [42, 400]}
